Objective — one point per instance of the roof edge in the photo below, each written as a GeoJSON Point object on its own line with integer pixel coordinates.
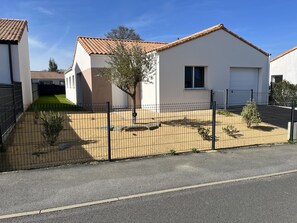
{"type": "Point", "coordinates": [283, 54]}
{"type": "Point", "coordinates": [206, 32]}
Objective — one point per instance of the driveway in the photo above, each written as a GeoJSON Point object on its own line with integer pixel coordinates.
{"type": "Point", "coordinates": [274, 115]}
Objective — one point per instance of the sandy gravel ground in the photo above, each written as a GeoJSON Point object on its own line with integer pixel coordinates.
{"type": "Point", "coordinates": [84, 137]}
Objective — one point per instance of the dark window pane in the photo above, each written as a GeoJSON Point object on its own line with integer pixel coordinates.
{"type": "Point", "coordinates": [199, 77]}
{"type": "Point", "coordinates": [188, 77]}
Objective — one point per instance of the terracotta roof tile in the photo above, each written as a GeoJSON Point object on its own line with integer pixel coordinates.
{"type": "Point", "coordinates": [101, 45]}
{"type": "Point", "coordinates": [283, 54]}
{"type": "Point", "coordinates": [12, 29]}
{"type": "Point", "coordinates": [204, 33]}
{"type": "Point", "coordinates": [46, 75]}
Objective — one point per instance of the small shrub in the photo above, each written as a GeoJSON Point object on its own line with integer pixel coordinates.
{"type": "Point", "coordinates": [52, 126]}
{"type": "Point", "coordinates": [224, 112]}
{"type": "Point", "coordinates": [250, 114]}
{"type": "Point", "coordinates": [204, 132]}
{"type": "Point", "coordinates": [173, 152]}
{"type": "Point", "coordinates": [230, 130]}
{"type": "Point", "coordinates": [36, 114]}
{"type": "Point", "coordinates": [195, 150]}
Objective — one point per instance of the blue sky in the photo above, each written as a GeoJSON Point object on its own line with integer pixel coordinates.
{"type": "Point", "coordinates": [55, 24]}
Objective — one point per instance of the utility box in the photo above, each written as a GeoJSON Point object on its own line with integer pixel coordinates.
{"type": "Point", "coordinates": [294, 130]}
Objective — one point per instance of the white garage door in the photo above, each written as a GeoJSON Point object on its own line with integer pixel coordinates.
{"type": "Point", "coordinates": [242, 80]}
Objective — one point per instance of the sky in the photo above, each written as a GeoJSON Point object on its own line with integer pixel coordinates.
{"type": "Point", "coordinates": [55, 24]}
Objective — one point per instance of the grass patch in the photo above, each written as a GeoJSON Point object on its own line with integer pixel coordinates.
{"type": "Point", "coordinates": [57, 102]}
{"type": "Point", "coordinates": [224, 112]}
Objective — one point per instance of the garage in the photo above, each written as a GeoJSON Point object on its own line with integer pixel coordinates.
{"type": "Point", "coordinates": [242, 80]}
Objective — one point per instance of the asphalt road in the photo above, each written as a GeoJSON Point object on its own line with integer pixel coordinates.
{"type": "Point", "coordinates": [266, 200]}
{"type": "Point", "coordinates": [42, 189]}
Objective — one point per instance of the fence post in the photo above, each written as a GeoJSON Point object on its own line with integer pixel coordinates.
{"type": "Point", "coordinates": [213, 134]}
{"type": "Point", "coordinates": [1, 140]}
{"type": "Point", "coordinates": [292, 121]}
{"type": "Point", "coordinates": [226, 98]}
{"type": "Point", "coordinates": [108, 131]}
{"type": "Point", "coordinates": [252, 94]}
{"type": "Point", "coordinates": [211, 98]}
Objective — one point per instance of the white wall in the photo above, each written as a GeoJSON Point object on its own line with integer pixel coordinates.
{"type": "Point", "coordinates": [217, 52]}
{"type": "Point", "coordinates": [286, 66]}
{"type": "Point", "coordinates": [24, 69]}
{"type": "Point", "coordinates": [20, 67]}
{"type": "Point", "coordinates": [70, 90]}
{"type": "Point", "coordinates": [81, 62]}
{"type": "Point", "coordinates": [150, 91]}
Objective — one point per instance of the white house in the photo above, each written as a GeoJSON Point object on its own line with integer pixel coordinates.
{"type": "Point", "coordinates": [48, 77]}
{"type": "Point", "coordinates": [14, 56]}
{"type": "Point", "coordinates": [284, 67]}
{"type": "Point", "coordinates": [186, 70]}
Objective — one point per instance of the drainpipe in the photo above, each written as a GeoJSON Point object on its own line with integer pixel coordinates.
{"type": "Point", "coordinates": [12, 81]}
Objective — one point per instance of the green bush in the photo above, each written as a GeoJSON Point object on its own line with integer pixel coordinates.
{"type": "Point", "coordinates": [173, 152]}
{"type": "Point", "coordinates": [230, 130]}
{"type": "Point", "coordinates": [52, 126]}
{"type": "Point", "coordinates": [250, 114]}
{"type": "Point", "coordinates": [195, 150]}
{"type": "Point", "coordinates": [204, 132]}
{"type": "Point", "coordinates": [284, 92]}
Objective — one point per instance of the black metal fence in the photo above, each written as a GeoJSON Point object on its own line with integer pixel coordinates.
{"type": "Point", "coordinates": [11, 107]}
{"type": "Point", "coordinates": [35, 92]}
{"type": "Point", "coordinates": [108, 133]}
{"type": "Point", "coordinates": [50, 89]}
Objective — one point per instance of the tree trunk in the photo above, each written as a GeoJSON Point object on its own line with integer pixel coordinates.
{"type": "Point", "coordinates": [134, 114]}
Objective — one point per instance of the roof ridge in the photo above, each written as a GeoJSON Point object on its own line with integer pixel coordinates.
{"type": "Point", "coordinates": [206, 32]}
{"type": "Point", "coordinates": [124, 40]}
{"type": "Point", "coordinates": [24, 20]}
{"type": "Point", "coordinates": [284, 53]}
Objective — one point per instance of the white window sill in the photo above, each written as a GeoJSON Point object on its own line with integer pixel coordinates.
{"type": "Point", "coordinates": [192, 89]}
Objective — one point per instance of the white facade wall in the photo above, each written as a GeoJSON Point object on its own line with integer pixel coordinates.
{"type": "Point", "coordinates": [24, 69]}
{"type": "Point", "coordinates": [217, 52]}
{"type": "Point", "coordinates": [81, 62]}
{"type": "Point", "coordinates": [286, 66]}
{"type": "Point", "coordinates": [70, 90]}
{"type": "Point", "coordinates": [20, 66]}
{"type": "Point", "coordinates": [150, 91]}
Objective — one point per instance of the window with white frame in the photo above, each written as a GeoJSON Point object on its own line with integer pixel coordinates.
{"type": "Point", "coordinates": [194, 77]}
{"type": "Point", "coordinates": [73, 85]}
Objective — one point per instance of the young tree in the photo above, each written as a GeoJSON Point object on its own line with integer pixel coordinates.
{"type": "Point", "coordinates": [250, 114]}
{"type": "Point", "coordinates": [52, 66]}
{"type": "Point", "coordinates": [129, 65]}
{"type": "Point", "coordinates": [123, 32]}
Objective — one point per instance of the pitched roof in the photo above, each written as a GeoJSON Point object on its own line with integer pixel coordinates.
{"type": "Point", "coordinates": [11, 30]}
{"type": "Point", "coordinates": [204, 33]}
{"type": "Point", "coordinates": [101, 45]}
{"type": "Point", "coordinates": [283, 54]}
{"type": "Point", "coordinates": [46, 75]}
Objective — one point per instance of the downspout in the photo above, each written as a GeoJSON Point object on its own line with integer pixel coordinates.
{"type": "Point", "coordinates": [12, 81]}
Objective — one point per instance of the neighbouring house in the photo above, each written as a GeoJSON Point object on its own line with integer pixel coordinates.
{"type": "Point", "coordinates": [186, 71]}
{"type": "Point", "coordinates": [284, 67]}
{"type": "Point", "coordinates": [14, 56]}
{"type": "Point", "coordinates": [47, 78]}
{"type": "Point", "coordinates": [15, 77]}
{"type": "Point", "coordinates": [47, 83]}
